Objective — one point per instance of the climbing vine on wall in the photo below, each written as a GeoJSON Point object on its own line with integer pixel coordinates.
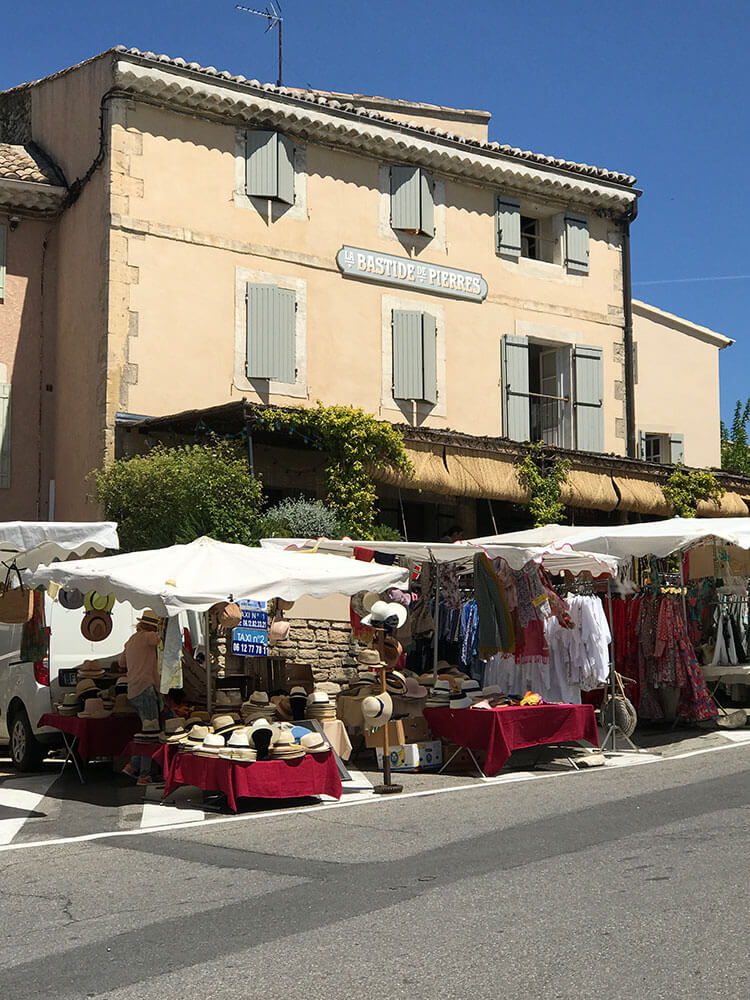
{"type": "Point", "coordinates": [685, 488]}
{"type": "Point", "coordinates": [354, 443]}
{"type": "Point", "coordinates": [542, 476]}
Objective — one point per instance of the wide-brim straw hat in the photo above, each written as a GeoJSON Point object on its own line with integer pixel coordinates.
{"type": "Point", "coordinates": [96, 626]}
{"type": "Point", "coordinates": [85, 685]}
{"type": "Point", "coordinates": [395, 683]}
{"type": "Point", "coordinates": [376, 710]}
{"type": "Point", "coordinates": [314, 743]}
{"type": "Point", "coordinates": [149, 617]}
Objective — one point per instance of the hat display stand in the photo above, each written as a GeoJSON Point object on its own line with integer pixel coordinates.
{"type": "Point", "coordinates": [388, 787]}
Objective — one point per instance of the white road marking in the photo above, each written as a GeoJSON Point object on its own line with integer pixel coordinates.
{"type": "Point", "coordinates": [23, 794]}
{"type": "Point", "coordinates": [155, 814]}
{"type": "Point", "coordinates": [371, 800]}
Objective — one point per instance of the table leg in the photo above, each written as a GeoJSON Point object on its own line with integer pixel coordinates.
{"type": "Point", "coordinates": [71, 755]}
{"type": "Point", "coordinates": [455, 753]}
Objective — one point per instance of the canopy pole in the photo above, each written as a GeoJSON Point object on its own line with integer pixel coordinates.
{"type": "Point", "coordinates": [207, 656]}
{"type": "Point", "coordinates": [436, 621]}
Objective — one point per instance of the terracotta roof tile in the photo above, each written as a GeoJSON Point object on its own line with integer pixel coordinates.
{"type": "Point", "coordinates": [26, 163]}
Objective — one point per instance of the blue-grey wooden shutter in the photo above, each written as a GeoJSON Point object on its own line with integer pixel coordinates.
{"type": "Point", "coordinates": [3, 251]}
{"type": "Point", "coordinates": [426, 203]}
{"type": "Point", "coordinates": [406, 196]}
{"type": "Point", "coordinates": [642, 445]}
{"type": "Point", "coordinates": [407, 354]}
{"type": "Point", "coordinates": [516, 375]}
{"type": "Point", "coordinates": [261, 164]}
{"type": "Point", "coordinates": [577, 241]}
{"type": "Point", "coordinates": [271, 333]}
{"type": "Point", "coordinates": [429, 359]}
{"type": "Point", "coordinates": [269, 166]}
{"type": "Point", "coordinates": [285, 190]}
{"type": "Point", "coordinates": [4, 435]}
{"type": "Point", "coordinates": [676, 448]}
{"type": "Point", "coordinates": [588, 365]}
{"type": "Point", "coordinates": [509, 226]}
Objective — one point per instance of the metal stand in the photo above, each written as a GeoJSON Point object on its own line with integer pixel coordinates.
{"type": "Point", "coordinates": [455, 754]}
{"type": "Point", "coordinates": [71, 756]}
{"type": "Point", "coordinates": [387, 788]}
{"type": "Point", "coordinates": [609, 743]}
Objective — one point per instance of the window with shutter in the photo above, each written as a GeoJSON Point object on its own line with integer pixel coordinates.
{"type": "Point", "coordinates": [414, 356]}
{"type": "Point", "coordinates": [588, 366]}
{"type": "Point", "coordinates": [3, 250]}
{"type": "Point", "coordinates": [271, 333]}
{"type": "Point", "coordinates": [516, 381]}
{"type": "Point", "coordinates": [577, 242]}
{"type": "Point", "coordinates": [676, 448]}
{"type": "Point", "coordinates": [509, 226]}
{"type": "Point", "coordinates": [412, 200]}
{"type": "Point", "coordinates": [4, 435]}
{"type": "Point", "coordinates": [269, 166]}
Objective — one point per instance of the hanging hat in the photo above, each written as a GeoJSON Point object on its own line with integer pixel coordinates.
{"type": "Point", "coordinates": [395, 682]}
{"type": "Point", "coordinates": [414, 689]}
{"type": "Point", "coordinates": [94, 709]}
{"type": "Point", "coordinates": [368, 599]}
{"type": "Point", "coordinates": [70, 598]}
{"type": "Point", "coordinates": [284, 605]}
{"type": "Point", "coordinates": [94, 601]}
{"type": "Point", "coordinates": [149, 617]}
{"type": "Point", "coordinates": [314, 743]}
{"type": "Point", "coordinates": [230, 616]}
{"type": "Point", "coordinates": [376, 710]}
{"type": "Point", "coordinates": [96, 626]}
{"type": "Point", "coordinates": [382, 613]}
{"type": "Point", "coordinates": [392, 651]}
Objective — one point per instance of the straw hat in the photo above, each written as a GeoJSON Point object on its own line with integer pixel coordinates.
{"type": "Point", "coordinates": [395, 683]}
{"type": "Point", "coordinates": [94, 709]}
{"type": "Point", "coordinates": [149, 617]}
{"type": "Point", "coordinates": [121, 706]}
{"type": "Point", "coordinates": [314, 743]}
{"type": "Point", "coordinates": [223, 723]}
{"type": "Point", "coordinates": [85, 685]}
{"type": "Point", "coordinates": [377, 710]}
{"type": "Point", "coordinates": [90, 668]}
{"type": "Point", "coordinates": [368, 658]}
{"type": "Point", "coordinates": [285, 747]}
{"type": "Point", "coordinates": [96, 626]}
{"type": "Point", "coordinates": [177, 736]}
{"type": "Point", "coordinates": [460, 700]}
{"type": "Point", "coordinates": [383, 613]}
{"type": "Point", "coordinates": [197, 734]}
{"type": "Point", "coordinates": [150, 731]}
{"type": "Point", "coordinates": [211, 745]}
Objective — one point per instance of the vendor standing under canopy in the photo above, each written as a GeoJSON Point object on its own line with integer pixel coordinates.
{"type": "Point", "coordinates": [140, 659]}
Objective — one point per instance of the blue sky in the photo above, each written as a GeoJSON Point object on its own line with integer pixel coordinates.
{"type": "Point", "coordinates": [658, 90]}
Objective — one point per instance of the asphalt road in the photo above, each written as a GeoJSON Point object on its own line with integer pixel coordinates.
{"type": "Point", "coordinates": [606, 883]}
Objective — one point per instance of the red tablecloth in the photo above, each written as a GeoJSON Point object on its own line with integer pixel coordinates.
{"type": "Point", "coordinates": [315, 774]}
{"type": "Point", "coordinates": [96, 737]}
{"type": "Point", "coordinates": [500, 731]}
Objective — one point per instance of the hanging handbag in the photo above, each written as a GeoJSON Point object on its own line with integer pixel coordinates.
{"type": "Point", "coordinates": [16, 603]}
{"type": "Point", "coordinates": [619, 711]}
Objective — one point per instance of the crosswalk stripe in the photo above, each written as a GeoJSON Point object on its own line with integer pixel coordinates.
{"type": "Point", "coordinates": [24, 799]}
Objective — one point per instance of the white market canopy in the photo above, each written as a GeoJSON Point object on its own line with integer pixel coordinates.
{"type": "Point", "coordinates": [655, 538]}
{"type": "Point", "coordinates": [198, 575]}
{"type": "Point", "coordinates": [460, 554]}
{"type": "Point", "coordinates": [33, 543]}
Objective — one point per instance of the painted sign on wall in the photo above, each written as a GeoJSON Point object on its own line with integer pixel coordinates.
{"type": "Point", "coordinates": [250, 638]}
{"type": "Point", "coordinates": [407, 273]}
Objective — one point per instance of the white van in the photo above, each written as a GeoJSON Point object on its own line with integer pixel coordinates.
{"type": "Point", "coordinates": [28, 690]}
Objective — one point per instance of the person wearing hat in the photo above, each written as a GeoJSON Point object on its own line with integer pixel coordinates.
{"type": "Point", "coordinates": [140, 660]}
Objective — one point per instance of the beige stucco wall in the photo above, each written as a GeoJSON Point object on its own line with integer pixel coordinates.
{"type": "Point", "coordinates": [199, 237]}
{"type": "Point", "coordinates": [677, 390]}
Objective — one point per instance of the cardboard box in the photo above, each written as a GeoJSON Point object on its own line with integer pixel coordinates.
{"type": "Point", "coordinates": [414, 756]}
{"type": "Point", "coordinates": [416, 730]}
{"type": "Point", "coordinates": [396, 736]}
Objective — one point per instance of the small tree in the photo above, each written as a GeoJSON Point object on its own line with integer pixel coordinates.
{"type": "Point", "coordinates": [735, 450]}
{"type": "Point", "coordinates": [542, 476]}
{"type": "Point", "coordinates": [174, 495]}
{"type": "Point", "coordinates": [685, 488]}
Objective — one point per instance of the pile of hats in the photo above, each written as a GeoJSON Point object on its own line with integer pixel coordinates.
{"type": "Point", "coordinates": [298, 702]}
{"type": "Point", "coordinates": [94, 708]}
{"type": "Point", "coordinates": [257, 706]}
{"type": "Point", "coordinates": [231, 740]}
{"type": "Point", "coordinates": [395, 683]}
{"type": "Point", "coordinates": [121, 705]}
{"type": "Point", "coordinates": [150, 731]}
{"type": "Point", "coordinates": [320, 707]}
{"type": "Point", "coordinates": [439, 695]}
{"type": "Point", "coordinates": [285, 747]}
{"type": "Point", "coordinates": [91, 669]}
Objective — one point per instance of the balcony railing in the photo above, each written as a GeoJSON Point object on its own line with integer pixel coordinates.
{"type": "Point", "coordinates": [547, 419]}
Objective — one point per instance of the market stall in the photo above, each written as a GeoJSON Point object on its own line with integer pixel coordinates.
{"type": "Point", "coordinates": [251, 754]}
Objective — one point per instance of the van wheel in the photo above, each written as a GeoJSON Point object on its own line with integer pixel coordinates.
{"type": "Point", "coordinates": [26, 751]}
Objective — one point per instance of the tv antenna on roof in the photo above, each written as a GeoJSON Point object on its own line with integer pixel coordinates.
{"type": "Point", "coordinates": [272, 13]}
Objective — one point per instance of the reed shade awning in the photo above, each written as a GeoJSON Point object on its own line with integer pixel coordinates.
{"type": "Point", "coordinates": [484, 475]}
{"type": "Point", "coordinates": [730, 505]}
{"type": "Point", "coordinates": [589, 490]}
{"type": "Point", "coordinates": [640, 496]}
{"type": "Point", "coordinates": [430, 471]}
